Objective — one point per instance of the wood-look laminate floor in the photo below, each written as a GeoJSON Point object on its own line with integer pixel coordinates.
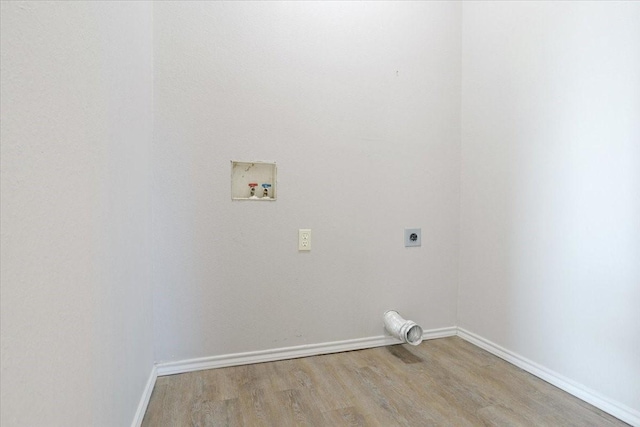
{"type": "Point", "coordinates": [442, 382]}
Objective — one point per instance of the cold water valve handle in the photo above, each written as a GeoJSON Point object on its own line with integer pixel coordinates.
{"type": "Point", "coordinates": [265, 193]}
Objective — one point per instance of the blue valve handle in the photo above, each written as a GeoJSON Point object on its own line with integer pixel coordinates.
{"type": "Point", "coordinates": [265, 193]}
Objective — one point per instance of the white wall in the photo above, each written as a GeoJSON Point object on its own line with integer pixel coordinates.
{"type": "Point", "coordinates": [550, 229]}
{"type": "Point", "coordinates": [359, 106]}
{"type": "Point", "coordinates": [76, 309]}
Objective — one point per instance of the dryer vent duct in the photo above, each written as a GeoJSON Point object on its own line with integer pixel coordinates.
{"type": "Point", "coordinates": [405, 330]}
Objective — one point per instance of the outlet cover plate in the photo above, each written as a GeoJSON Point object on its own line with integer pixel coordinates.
{"type": "Point", "coordinates": [412, 237]}
{"type": "Point", "coordinates": [304, 239]}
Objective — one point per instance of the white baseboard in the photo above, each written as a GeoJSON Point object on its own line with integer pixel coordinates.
{"type": "Point", "coordinates": [432, 334]}
{"type": "Point", "coordinates": [622, 412]}
{"type": "Point", "coordinates": [616, 409]}
{"type": "Point", "coordinates": [181, 366]}
{"type": "Point", "coordinates": [144, 400]}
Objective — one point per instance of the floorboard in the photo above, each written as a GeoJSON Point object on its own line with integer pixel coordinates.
{"type": "Point", "coordinates": [442, 382]}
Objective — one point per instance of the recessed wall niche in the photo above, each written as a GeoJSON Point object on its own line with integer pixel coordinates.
{"type": "Point", "coordinates": [253, 181]}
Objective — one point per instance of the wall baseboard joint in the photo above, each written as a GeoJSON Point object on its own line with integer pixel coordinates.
{"type": "Point", "coordinates": [237, 359]}
{"type": "Point", "coordinates": [144, 399]}
{"type": "Point", "coordinates": [609, 406]}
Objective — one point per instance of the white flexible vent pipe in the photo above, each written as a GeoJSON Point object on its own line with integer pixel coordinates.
{"type": "Point", "coordinates": [405, 330]}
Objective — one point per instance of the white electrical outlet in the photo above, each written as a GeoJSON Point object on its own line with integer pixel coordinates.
{"type": "Point", "coordinates": [304, 239]}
